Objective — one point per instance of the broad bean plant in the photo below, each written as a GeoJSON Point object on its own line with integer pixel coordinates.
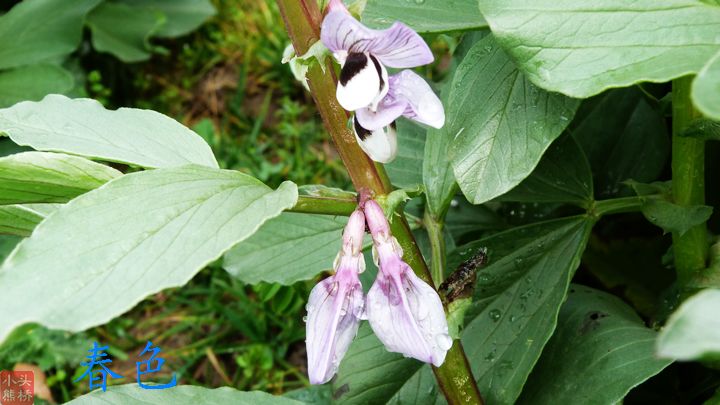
{"type": "Point", "coordinates": [496, 240]}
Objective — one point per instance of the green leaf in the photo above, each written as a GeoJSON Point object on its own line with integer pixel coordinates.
{"type": "Point", "coordinates": [437, 173]}
{"type": "Point", "coordinates": [693, 331]}
{"type": "Point", "coordinates": [464, 218]}
{"type": "Point", "coordinates": [33, 83]}
{"type": "Point", "coordinates": [501, 123]}
{"type": "Point", "coordinates": [517, 300]}
{"type": "Point", "coordinates": [706, 89]}
{"type": "Point", "coordinates": [581, 48]}
{"type": "Point", "coordinates": [287, 249]}
{"type": "Point", "coordinates": [659, 209]}
{"type": "Point", "coordinates": [406, 170]}
{"type": "Point", "coordinates": [623, 137]}
{"type": "Point", "coordinates": [425, 15]}
{"type": "Point", "coordinates": [314, 394]}
{"type": "Point", "coordinates": [563, 175]}
{"type": "Point", "coordinates": [703, 128]}
{"type": "Point", "coordinates": [179, 395]}
{"type": "Point", "coordinates": [84, 127]}
{"type": "Point", "coordinates": [41, 177]}
{"type": "Point", "coordinates": [600, 350]}
{"type": "Point", "coordinates": [632, 267]}
{"type": "Point", "coordinates": [369, 374]}
{"type": "Point", "coordinates": [144, 232]}
{"type": "Point", "coordinates": [18, 220]}
{"type": "Point", "coordinates": [7, 244]}
{"type": "Point", "coordinates": [182, 16]}
{"type": "Point", "coordinates": [124, 31]}
{"type": "Point", "coordinates": [37, 30]}
{"type": "Point", "coordinates": [672, 217]}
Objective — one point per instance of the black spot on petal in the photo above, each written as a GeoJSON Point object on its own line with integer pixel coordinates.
{"type": "Point", "coordinates": [354, 63]}
{"type": "Point", "coordinates": [379, 71]}
{"type": "Point", "coordinates": [361, 132]}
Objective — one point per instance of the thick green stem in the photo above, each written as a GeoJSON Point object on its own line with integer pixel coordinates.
{"type": "Point", "coordinates": [688, 183]}
{"type": "Point", "coordinates": [437, 247]}
{"type": "Point", "coordinates": [324, 205]}
{"type": "Point", "coordinates": [302, 21]}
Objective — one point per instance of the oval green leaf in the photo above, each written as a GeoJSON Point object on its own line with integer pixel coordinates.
{"type": "Point", "coordinates": [563, 175]}
{"type": "Point", "coordinates": [600, 350]}
{"type": "Point", "coordinates": [19, 220]}
{"type": "Point", "coordinates": [286, 249]}
{"type": "Point", "coordinates": [581, 48]}
{"type": "Point", "coordinates": [33, 83]}
{"type": "Point", "coordinates": [179, 395]}
{"type": "Point", "coordinates": [425, 15]}
{"type": "Point", "coordinates": [517, 300]}
{"type": "Point", "coordinates": [124, 31]}
{"type": "Point", "coordinates": [706, 89]}
{"type": "Point", "coordinates": [41, 177]}
{"type": "Point", "coordinates": [693, 331]}
{"type": "Point", "coordinates": [84, 127]}
{"type": "Point", "coordinates": [37, 30]}
{"type": "Point", "coordinates": [131, 238]}
{"type": "Point", "coordinates": [500, 122]}
{"type": "Point", "coordinates": [181, 16]}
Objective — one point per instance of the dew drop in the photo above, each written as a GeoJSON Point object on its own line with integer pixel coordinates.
{"type": "Point", "coordinates": [305, 319]}
{"type": "Point", "coordinates": [444, 341]}
{"type": "Point", "coordinates": [495, 315]}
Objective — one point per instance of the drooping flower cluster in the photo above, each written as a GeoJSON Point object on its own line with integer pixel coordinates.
{"type": "Point", "coordinates": [404, 312]}
{"type": "Point", "coordinates": [365, 87]}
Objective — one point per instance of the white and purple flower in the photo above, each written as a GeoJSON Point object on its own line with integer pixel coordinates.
{"type": "Point", "coordinates": [405, 313]}
{"type": "Point", "coordinates": [366, 88]}
{"type": "Point", "coordinates": [336, 305]}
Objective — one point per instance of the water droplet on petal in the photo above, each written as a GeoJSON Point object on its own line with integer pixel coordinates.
{"type": "Point", "coordinates": [444, 341]}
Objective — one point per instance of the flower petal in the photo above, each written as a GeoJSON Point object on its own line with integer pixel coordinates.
{"type": "Point", "coordinates": [388, 110]}
{"type": "Point", "coordinates": [398, 46]}
{"type": "Point", "coordinates": [334, 311]}
{"type": "Point", "coordinates": [354, 233]}
{"type": "Point", "coordinates": [407, 316]}
{"type": "Point", "coordinates": [363, 82]}
{"type": "Point", "coordinates": [380, 145]}
{"type": "Point", "coordinates": [422, 103]}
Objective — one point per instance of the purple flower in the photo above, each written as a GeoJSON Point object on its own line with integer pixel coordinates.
{"type": "Point", "coordinates": [336, 305]}
{"type": "Point", "coordinates": [408, 95]}
{"type": "Point", "coordinates": [379, 144]}
{"type": "Point", "coordinates": [364, 53]}
{"type": "Point", "coordinates": [404, 312]}
{"type": "Point", "coordinates": [365, 87]}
